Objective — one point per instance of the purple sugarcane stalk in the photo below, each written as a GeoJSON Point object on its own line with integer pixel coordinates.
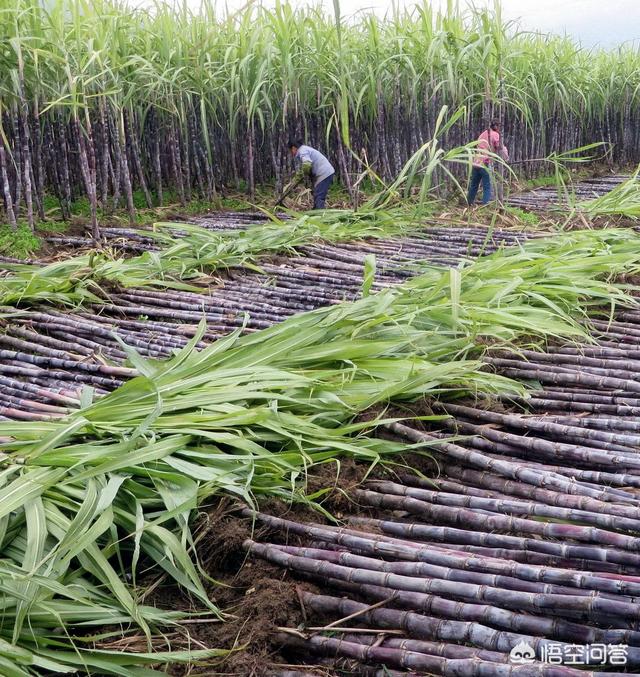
{"type": "Point", "coordinates": [429, 533]}
{"type": "Point", "coordinates": [504, 468]}
{"type": "Point", "coordinates": [511, 506]}
{"type": "Point", "coordinates": [423, 627]}
{"type": "Point", "coordinates": [596, 608]}
{"type": "Point", "coordinates": [486, 521]}
{"type": "Point", "coordinates": [369, 544]}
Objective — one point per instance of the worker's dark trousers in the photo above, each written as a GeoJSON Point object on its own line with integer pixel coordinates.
{"type": "Point", "coordinates": [320, 192]}
{"type": "Point", "coordinates": [479, 174]}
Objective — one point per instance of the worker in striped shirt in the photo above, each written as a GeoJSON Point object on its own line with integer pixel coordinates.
{"type": "Point", "coordinates": [489, 141]}
{"type": "Point", "coordinates": [312, 163]}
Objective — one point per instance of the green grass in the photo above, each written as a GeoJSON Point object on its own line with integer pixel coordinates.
{"type": "Point", "coordinates": [50, 203]}
{"type": "Point", "coordinates": [52, 227]}
{"type": "Point", "coordinates": [20, 243]}
{"type": "Point", "coordinates": [524, 217]}
{"type": "Point", "coordinates": [540, 182]}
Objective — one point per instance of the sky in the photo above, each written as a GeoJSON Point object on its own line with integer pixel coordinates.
{"type": "Point", "coordinates": [593, 22]}
{"type": "Point", "coordinates": [605, 23]}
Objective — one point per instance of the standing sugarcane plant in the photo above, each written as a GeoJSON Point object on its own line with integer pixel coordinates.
{"type": "Point", "coordinates": [4, 176]}
{"type": "Point", "coordinates": [101, 101]}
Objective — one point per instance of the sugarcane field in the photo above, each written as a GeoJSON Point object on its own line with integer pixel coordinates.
{"type": "Point", "coordinates": [319, 338]}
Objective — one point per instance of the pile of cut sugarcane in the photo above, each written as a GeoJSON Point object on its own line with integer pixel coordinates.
{"type": "Point", "coordinates": [140, 240]}
{"type": "Point", "coordinates": [614, 195]}
{"type": "Point", "coordinates": [95, 500]}
{"type": "Point", "coordinates": [407, 591]}
{"type": "Point", "coordinates": [48, 355]}
{"type": "Point", "coordinates": [527, 533]}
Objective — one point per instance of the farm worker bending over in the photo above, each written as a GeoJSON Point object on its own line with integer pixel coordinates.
{"type": "Point", "coordinates": [491, 141]}
{"type": "Point", "coordinates": [312, 163]}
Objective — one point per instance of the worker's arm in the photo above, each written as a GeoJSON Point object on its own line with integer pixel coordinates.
{"type": "Point", "coordinates": [304, 163]}
{"type": "Point", "coordinates": [483, 144]}
{"type": "Point", "coordinates": [500, 149]}
{"type": "Point", "coordinates": [303, 171]}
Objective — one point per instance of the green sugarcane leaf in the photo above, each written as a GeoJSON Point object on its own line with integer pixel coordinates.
{"type": "Point", "coordinates": [15, 653]}
{"type": "Point", "coordinates": [96, 524]}
{"type": "Point", "coordinates": [109, 492]}
{"type": "Point", "coordinates": [87, 395]}
{"type": "Point", "coordinates": [180, 496]}
{"type": "Point", "coordinates": [93, 560]}
{"type": "Point", "coordinates": [53, 666]}
{"type": "Point", "coordinates": [146, 454]}
{"type": "Point", "coordinates": [137, 537]}
{"type": "Point", "coordinates": [58, 435]}
{"type": "Point", "coordinates": [36, 534]}
{"type": "Point", "coordinates": [369, 274]}
{"type": "Point", "coordinates": [27, 487]}
{"type": "Point", "coordinates": [11, 669]}
{"type": "Point", "coordinates": [455, 283]}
